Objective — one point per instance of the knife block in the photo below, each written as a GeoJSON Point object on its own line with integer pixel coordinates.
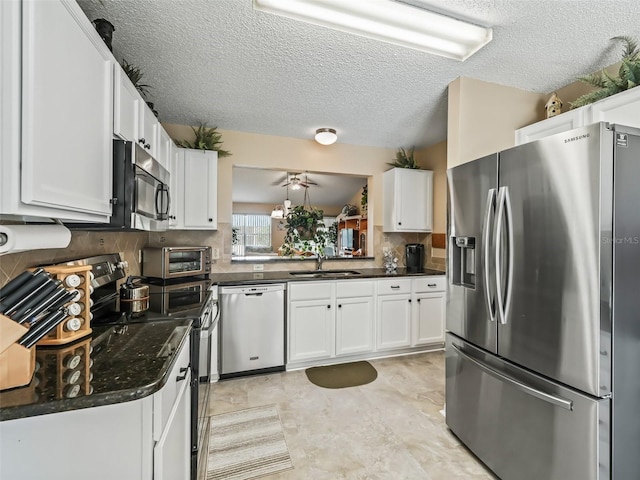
{"type": "Point", "coordinates": [60, 335]}
{"type": "Point", "coordinates": [17, 363]}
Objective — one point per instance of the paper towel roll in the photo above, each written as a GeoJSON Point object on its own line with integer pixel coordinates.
{"type": "Point", "coordinates": [33, 237]}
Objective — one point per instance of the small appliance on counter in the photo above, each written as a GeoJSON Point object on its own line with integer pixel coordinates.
{"type": "Point", "coordinates": [134, 297]}
{"type": "Point", "coordinates": [167, 263]}
{"type": "Point", "coordinates": [414, 253]}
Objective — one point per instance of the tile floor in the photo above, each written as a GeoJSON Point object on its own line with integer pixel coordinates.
{"type": "Point", "coordinates": [389, 429]}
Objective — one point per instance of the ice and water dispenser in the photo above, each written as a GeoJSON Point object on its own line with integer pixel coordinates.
{"type": "Point", "coordinates": [463, 261]}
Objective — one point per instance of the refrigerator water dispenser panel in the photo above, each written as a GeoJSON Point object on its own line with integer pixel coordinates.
{"type": "Point", "coordinates": [464, 261]}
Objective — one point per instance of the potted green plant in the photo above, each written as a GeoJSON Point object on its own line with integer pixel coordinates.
{"type": "Point", "coordinates": [609, 84]}
{"type": "Point", "coordinates": [206, 139]}
{"type": "Point", "coordinates": [364, 199]}
{"type": "Point", "coordinates": [306, 234]}
{"type": "Point", "coordinates": [135, 75]}
{"type": "Point", "coordinates": [404, 159]}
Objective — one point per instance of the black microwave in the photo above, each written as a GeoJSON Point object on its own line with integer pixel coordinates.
{"type": "Point", "coordinates": [141, 197]}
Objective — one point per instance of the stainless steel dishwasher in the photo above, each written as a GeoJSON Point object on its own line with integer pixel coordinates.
{"type": "Point", "coordinates": [252, 334]}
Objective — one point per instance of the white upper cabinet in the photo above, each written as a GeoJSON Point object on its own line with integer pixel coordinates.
{"type": "Point", "coordinates": [622, 108]}
{"type": "Point", "coordinates": [195, 195]}
{"type": "Point", "coordinates": [126, 105]}
{"type": "Point", "coordinates": [165, 148]}
{"type": "Point", "coordinates": [62, 167]}
{"type": "Point", "coordinates": [408, 200]}
{"type": "Point", "coordinates": [558, 124]}
{"type": "Point", "coordinates": [148, 127]}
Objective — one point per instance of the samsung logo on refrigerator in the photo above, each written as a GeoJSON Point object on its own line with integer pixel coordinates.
{"type": "Point", "coordinates": [579, 137]}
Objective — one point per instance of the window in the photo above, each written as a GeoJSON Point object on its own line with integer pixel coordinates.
{"type": "Point", "coordinates": [252, 233]}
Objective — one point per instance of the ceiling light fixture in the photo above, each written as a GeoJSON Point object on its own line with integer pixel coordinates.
{"type": "Point", "coordinates": [388, 21]}
{"type": "Point", "coordinates": [326, 136]}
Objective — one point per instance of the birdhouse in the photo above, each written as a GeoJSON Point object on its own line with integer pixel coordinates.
{"type": "Point", "coordinates": [553, 106]}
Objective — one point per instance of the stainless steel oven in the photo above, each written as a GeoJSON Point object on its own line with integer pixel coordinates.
{"type": "Point", "coordinates": [176, 262]}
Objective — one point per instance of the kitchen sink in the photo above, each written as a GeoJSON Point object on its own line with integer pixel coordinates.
{"type": "Point", "coordinates": [325, 273]}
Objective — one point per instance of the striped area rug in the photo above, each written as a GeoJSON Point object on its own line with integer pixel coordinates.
{"type": "Point", "coordinates": [247, 444]}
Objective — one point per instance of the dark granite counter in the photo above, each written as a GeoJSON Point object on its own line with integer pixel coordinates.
{"type": "Point", "coordinates": [115, 364]}
{"type": "Point", "coordinates": [238, 278]}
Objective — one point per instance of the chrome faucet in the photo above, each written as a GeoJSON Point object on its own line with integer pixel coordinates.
{"type": "Point", "coordinates": [319, 259]}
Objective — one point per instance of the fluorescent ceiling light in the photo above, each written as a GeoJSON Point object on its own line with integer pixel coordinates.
{"type": "Point", "coordinates": [387, 21]}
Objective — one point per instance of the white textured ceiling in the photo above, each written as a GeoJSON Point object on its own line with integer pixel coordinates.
{"type": "Point", "coordinates": [221, 62]}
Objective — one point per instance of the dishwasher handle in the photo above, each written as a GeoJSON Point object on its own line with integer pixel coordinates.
{"type": "Point", "coordinates": [253, 294]}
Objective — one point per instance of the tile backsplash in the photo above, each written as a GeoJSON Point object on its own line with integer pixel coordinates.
{"type": "Point", "coordinates": [86, 244]}
{"type": "Point", "coordinates": [83, 244]}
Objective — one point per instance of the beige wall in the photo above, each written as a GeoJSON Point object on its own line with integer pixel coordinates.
{"type": "Point", "coordinates": [255, 150]}
{"type": "Point", "coordinates": [483, 117]}
{"type": "Point", "coordinates": [435, 158]}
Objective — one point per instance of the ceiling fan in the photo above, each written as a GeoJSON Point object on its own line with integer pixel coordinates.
{"type": "Point", "coordinates": [295, 182]}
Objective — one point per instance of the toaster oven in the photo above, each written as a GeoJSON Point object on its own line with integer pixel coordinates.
{"type": "Point", "coordinates": [176, 262]}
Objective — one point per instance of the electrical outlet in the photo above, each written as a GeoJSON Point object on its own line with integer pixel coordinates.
{"type": "Point", "coordinates": [258, 267]}
{"type": "Point", "coordinates": [215, 253]}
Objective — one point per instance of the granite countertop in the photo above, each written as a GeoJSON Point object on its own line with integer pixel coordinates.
{"type": "Point", "coordinates": [115, 364]}
{"type": "Point", "coordinates": [285, 276]}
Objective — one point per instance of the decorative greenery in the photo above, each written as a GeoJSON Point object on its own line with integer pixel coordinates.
{"type": "Point", "coordinates": [607, 84]}
{"type": "Point", "coordinates": [404, 159]}
{"type": "Point", "coordinates": [305, 232]}
{"type": "Point", "coordinates": [364, 197]}
{"type": "Point", "coordinates": [135, 75]}
{"type": "Point", "coordinates": [332, 234]}
{"type": "Point", "coordinates": [206, 139]}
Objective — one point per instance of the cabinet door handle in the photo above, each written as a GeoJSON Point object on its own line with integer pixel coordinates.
{"type": "Point", "coordinates": [184, 370]}
{"type": "Point", "coordinates": [328, 306]}
{"type": "Point", "coordinates": [418, 300]}
{"type": "Point", "coordinates": [432, 285]}
{"type": "Point", "coordinates": [395, 287]}
{"type": "Point", "coordinates": [399, 223]}
{"type": "Point", "coordinates": [211, 219]}
{"type": "Point", "coordinates": [142, 141]}
{"type": "Point", "coordinates": [339, 306]}
{"type": "Point", "coordinates": [409, 300]}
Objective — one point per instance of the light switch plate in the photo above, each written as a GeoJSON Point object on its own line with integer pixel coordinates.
{"type": "Point", "coordinates": [215, 254]}
{"type": "Point", "coordinates": [258, 267]}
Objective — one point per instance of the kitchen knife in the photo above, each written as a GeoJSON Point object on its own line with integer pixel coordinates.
{"type": "Point", "coordinates": [16, 283]}
{"type": "Point", "coordinates": [22, 291]}
{"type": "Point", "coordinates": [53, 304]}
{"type": "Point", "coordinates": [42, 328]}
{"type": "Point", "coordinates": [28, 297]}
{"type": "Point", "coordinates": [42, 296]}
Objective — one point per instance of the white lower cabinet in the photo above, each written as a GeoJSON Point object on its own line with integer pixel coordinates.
{"type": "Point", "coordinates": [310, 330]}
{"type": "Point", "coordinates": [355, 317]}
{"type": "Point", "coordinates": [333, 320]}
{"type": "Point", "coordinates": [394, 313]}
{"type": "Point", "coordinates": [429, 311]}
{"type": "Point", "coordinates": [145, 439]}
{"type": "Point", "coordinates": [394, 322]}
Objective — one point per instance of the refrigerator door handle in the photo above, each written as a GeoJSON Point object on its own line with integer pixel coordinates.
{"type": "Point", "coordinates": [503, 215]}
{"type": "Point", "coordinates": [534, 392]}
{"type": "Point", "coordinates": [510, 254]}
{"type": "Point", "coordinates": [489, 217]}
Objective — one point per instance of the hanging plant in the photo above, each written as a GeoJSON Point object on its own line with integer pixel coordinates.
{"type": "Point", "coordinates": [135, 75]}
{"type": "Point", "coordinates": [306, 234]}
{"type": "Point", "coordinates": [404, 159]}
{"type": "Point", "coordinates": [206, 139]}
{"type": "Point", "coordinates": [364, 198]}
{"type": "Point", "coordinates": [607, 84]}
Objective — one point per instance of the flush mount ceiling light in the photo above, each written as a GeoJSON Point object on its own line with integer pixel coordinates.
{"type": "Point", "coordinates": [326, 136]}
{"type": "Point", "coordinates": [387, 21]}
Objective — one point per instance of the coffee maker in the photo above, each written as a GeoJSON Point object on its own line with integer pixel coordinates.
{"type": "Point", "coordinates": [414, 254]}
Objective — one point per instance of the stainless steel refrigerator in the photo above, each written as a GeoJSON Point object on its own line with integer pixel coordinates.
{"type": "Point", "coordinates": [543, 314]}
